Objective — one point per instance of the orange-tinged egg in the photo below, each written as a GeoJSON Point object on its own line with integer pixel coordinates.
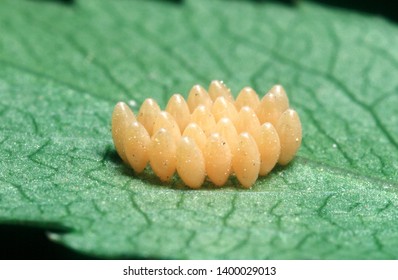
{"type": "Point", "coordinates": [271, 108]}
{"type": "Point", "coordinates": [204, 118]}
{"type": "Point", "coordinates": [190, 163]}
{"type": "Point", "coordinates": [217, 89]}
{"type": "Point", "coordinates": [148, 113]}
{"type": "Point", "coordinates": [247, 121]}
{"type": "Point", "coordinates": [281, 96]}
{"type": "Point", "coordinates": [165, 120]}
{"type": "Point", "coordinates": [222, 108]}
{"type": "Point", "coordinates": [289, 131]}
{"type": "Point", "coordinates": [246, 160]}
{"type": "Point", "coordinates": [220, 136]}
{"type": "Point", "coordinates": [247, 97]}
{"type": "Point", "coordinates": [268, 144]}
{"type": "Point", "coordinates": [136, 145]}
{"type": "Point", "coordinates": [122, 116]}
{"type": "Point", "coordinates": [227, 130]}
{"type": "Point", "coordinates": [194, 132]}
{"type": "Point", "coordinates": [178, 108]}
{"type": "Point", "coordinates": [198, 96]}
{"type": "Point", "coordinates": [218, 159]}
{"type": "Point", "coordinates": [162, 154]}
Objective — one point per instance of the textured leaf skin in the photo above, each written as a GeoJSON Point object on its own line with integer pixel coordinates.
{"type": "Point", "coordinates": [63, 67]}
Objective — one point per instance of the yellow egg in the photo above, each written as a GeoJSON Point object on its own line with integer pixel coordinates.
{"type": "Point", "coordinates": [217, 89]}
{"type": "Point", "coordinates": [269, 147]}
{"type": "Point", "coordinates": [227, 130]}
{"type": "Point", "coordinates": [194, 132]}
{"type": "Point", "coordinates": [147, 114]}
{"type": "Point", "coordinates": [121, 117]}
{"type": "Point", "coordinates": [204, 118]}
{"type": "Point", "coordinates": [136, 144]}
{"type": "Point", "coordinates": [247, 97]}
{"type": "Point", "coordinates": [178, 108]}
{"type": "Point", "coordinates": [222, 108]}
{"type": "Point", "coordinates": [190, 163]}
{"type": "Point", "coordinates": [162, 154]}
{"type": "Point", "coordinates": [165, 120]}
{"type": "Point", "coordinates": [247, 121]}
{"type": "Point", "coordinates": [289, 131]}
{"type": "Point", "coordinates": [246, 160]}
{"type": "Point", "coordinates": [198, 96]}
{"type": "Point", "coordinates": [218, 159]}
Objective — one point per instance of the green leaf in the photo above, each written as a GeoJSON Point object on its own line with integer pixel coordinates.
{"type": "Point", "coordinates": [63, 67]}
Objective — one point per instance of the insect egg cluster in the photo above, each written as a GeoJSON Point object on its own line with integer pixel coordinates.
{"type": "Point", "coordinates": [209, 135]}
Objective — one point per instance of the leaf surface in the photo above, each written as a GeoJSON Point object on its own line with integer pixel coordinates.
{"type": "Point", "coordinates": [63, 67]}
